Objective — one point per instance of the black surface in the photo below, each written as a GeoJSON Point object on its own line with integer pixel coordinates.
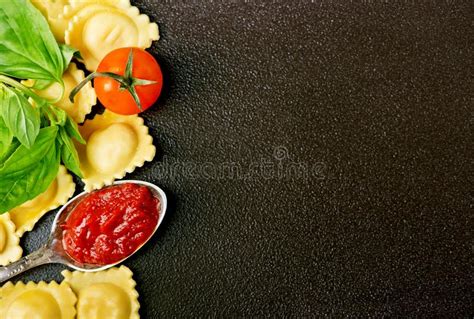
{"type": "Point", "coordinates": [375, 96]}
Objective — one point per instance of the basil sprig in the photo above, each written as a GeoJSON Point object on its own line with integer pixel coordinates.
{"type": "Point", "coordinates": [33, 139]}
{"type": "Point", "coordinates": [28, 49]}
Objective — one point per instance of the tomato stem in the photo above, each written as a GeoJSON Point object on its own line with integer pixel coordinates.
{"type": "Point", "coordinates": [129, 66]}
{"type": "Point", "coordinates": [142, 82]}
{"type": "Point", "coordinates": [134, 94]}
{"type": "Point", "coordinates": [91, 76]}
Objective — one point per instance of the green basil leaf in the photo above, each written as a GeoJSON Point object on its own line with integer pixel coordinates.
{"type": "Point", "coordinates": [68, 53]}
{"type": "Point", "coordinates": [21, 118]}
{"type": "Point", "coordinates": [9, 151]}
{"type": "Point", "coordinates": [69, 154]}
{"type": "Point", "coordinates": [6, 136]}
{"type": "Point", "coordinates": [17, 189]}
{"type": "Point", "coordinates": [59, 114]}
{"type": "Point", "coordinates": [73, 131]}
{"type": "Point", "coordinates": [22, 159]}
{"type": "Point", "coordinates": [28, 49]}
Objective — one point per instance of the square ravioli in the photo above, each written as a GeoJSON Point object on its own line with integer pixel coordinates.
{"type": "Point", "coordinates": [60, 22]}
{"type": "Point", "coordinates": [106, 294]}
{"type": "Point", "coordinates": [39, 301]}
{"type": "Point", "coordinates": [116, 145]}
{"type": "Point", "coordinates": [99, 27]}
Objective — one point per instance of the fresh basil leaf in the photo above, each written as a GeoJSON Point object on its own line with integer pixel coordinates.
{"type": "Point", "coordinates": [21, 118]}
{"type": "Point", "coordinates": [6, 136]}
{"type": "Point", "coordinates": [68, 53]}
{"type": "Point", "coordinates": [22, 159]}
{"type": "Point", "coordinates": [69, 154]}
{"type": "Point", "coordinates": [9, 151]}
{"type": "Point", "coordinates": [73, 131]}
{"type": "Point", "coordinates": [17, 189]}
{"type": "Point", "coordinates": [59, 114]}
{"type": "Point", "coordinates": [28, 49]}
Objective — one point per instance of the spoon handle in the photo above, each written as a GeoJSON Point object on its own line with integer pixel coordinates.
{"type": "Point", "coordinates": [44, 255]}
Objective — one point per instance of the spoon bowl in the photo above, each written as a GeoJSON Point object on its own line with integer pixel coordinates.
{"type": "Point", "coordinates": [53, 251]}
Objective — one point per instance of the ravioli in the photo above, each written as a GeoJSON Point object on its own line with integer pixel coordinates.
{"type": "Point", "coordinates": [97, 28]}
{"type": "Point", "coordinates": [10, 249]}
{"type": "Point", "coordinates": [52, 10]}
{"type": "Point", "coordinates": [107, 294]}
{"type": "Point", "coordinates": [116, 145]}
{"type": "Point", "coordinates": [84, 100]}
{"type": "Point", "coordinates": [26, 215]}
{"type": "Point", "coordinates": [38, 301]}
{"type": "Point", "coordinates": [60, 23]}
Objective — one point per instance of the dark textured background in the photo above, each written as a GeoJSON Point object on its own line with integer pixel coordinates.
{"type": "Point", "coordinates": [377, 95]}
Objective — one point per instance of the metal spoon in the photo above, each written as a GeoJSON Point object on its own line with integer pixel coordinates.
{"type": "Point", "coordinates": [53, 251]}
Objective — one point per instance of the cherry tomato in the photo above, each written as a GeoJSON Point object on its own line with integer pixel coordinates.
{"type": "Point", "coordinates": [114, 96]}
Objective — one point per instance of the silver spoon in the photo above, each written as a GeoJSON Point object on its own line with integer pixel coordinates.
{"type": "Point", "coordinates": [53, 251]}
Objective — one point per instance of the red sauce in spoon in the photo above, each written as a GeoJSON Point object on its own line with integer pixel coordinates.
{"type": "Point", "coordinates": [110, 224]}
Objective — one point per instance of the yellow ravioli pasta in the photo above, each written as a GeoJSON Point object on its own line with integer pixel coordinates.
{"type": "Point", "coordinates": [99, 27]}
{"type": "Point", "coordinates": [10, 249]}
{"type": "Point", "coordinates": [26, 215]}
{"type": "Point", "coordinates": [38, 301]}
{"type": "Point", "coordinates": [116, 145]}
{"type": "Point", "coordinates": [107, 294]}
{"type": "Point", "coordinates": [83, 101]}
{"type": "Point", "coordinates": [52, 10]}
{"type": "Point", "coordinates": [60, 23]}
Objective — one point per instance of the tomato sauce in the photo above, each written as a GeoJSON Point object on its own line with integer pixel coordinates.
{"type": "Point", "coordinates": [110, 224]}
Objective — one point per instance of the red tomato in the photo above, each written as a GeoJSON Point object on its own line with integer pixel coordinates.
{"type": "Point", "coordinates": [144, 67]}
